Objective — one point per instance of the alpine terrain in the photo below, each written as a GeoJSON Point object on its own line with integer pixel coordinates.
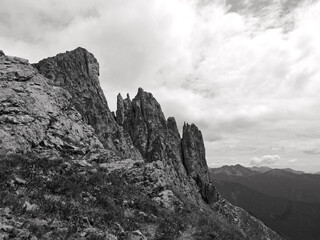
{"type": "Point", "coordinates": [72, 169]}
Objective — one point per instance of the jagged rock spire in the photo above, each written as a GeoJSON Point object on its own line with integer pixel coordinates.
{"type": "Point", "coordinates": [158, 139]}
{"type": "Point", "coordinates": [194, 152]}
{"type": "Point", "coordinates": [78, 72]}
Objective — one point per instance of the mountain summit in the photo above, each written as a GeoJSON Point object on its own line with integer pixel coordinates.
{"type": "Point", "coordinates": [71, 169]}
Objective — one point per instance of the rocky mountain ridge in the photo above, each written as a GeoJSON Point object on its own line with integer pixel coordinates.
{"type": "Point", "coordinates": [78, 73]}
{"type": "Point", "coordinates": [121, 177]}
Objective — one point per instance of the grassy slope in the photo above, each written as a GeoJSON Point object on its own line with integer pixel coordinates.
{"type": "Point", "coordinates": [58, 199]}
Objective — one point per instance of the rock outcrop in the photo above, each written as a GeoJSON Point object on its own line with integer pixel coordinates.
{"type": "Point", "coordinates": [158, 139]}
{"type": "Point", "coordinates": [77, 71]}
{"type": "Point", "coordinates": [194, 160]}
{"type": "Point", "coordinates": [143, 119]}
{"type": "Point", "coordinates": [69, 169]}
{"type": "Point", "coordinates": [37, 115]}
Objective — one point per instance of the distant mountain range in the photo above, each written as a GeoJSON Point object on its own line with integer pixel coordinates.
{"type": "Point", "coordinates": [264, 169]}
{"type": "Point", "coordinates": [286, 200]}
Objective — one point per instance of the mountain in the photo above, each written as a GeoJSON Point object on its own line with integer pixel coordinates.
{"type": "Point", "coordinates": [278, 182]}
{"type": "Point", "coordinates": [264, 169]}
{"type": "Point", "coordinates": [281, 183]}
{"type": "Point", "coordinates": [71, 169]}
{"type": "Point", "coordinates": [293, 171]}
{"type": "Point", "coordinates": [230, 172]}
{"type": "Point", "coordinates": [261, 169]}
{"type": "Point", "coordinates": [294, 220]}
{"type": "Point", "coordinates": [284, 200]}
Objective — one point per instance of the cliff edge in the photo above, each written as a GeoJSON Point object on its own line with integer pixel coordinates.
{"type": "Point", "coordinates": [70, 169]}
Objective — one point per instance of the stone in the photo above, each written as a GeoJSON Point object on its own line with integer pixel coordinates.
{"type": "Point", "coordinates": [83, 163]}
{"type": "Point", "coordinates": [5, 227]}
{"type": "Point", "coordinates": [20, 181]}
{"type": "Point", "coordinates": [158, 140]}
{"type": "Point", "coordinates": [195, 162]}
{"type": "Point", "coordinates": [30, 207]}
{"type": "Point", "coordinates": [1, 53]}
{"type": "Point", "coordinates": [154, 173]}
{"type": "Point", "coordinates": [121, 164]}
{"type": "Point", "coordinates": [136, 235]}
{"type": "Point", "coordinates": [145, 122]}
{"type": "Point", "coordinates": [168, 200]}
{"type": "Point", "coordinates": [109, 236]}
{"type": "Point", "coordinates": [120, 116]}
{"type": "Point", "coordinates": [38, 116]}
{"type": "Point", "coordinates": [24, 234]}
{"type": "Point", "coordinates": [6, 211]}
{"type": "Point", "coordinates": [77, 71]}
{"type": "Point", "coordinates": [194, 152]}
{"type": "Point", "coordinates": [15, 69]}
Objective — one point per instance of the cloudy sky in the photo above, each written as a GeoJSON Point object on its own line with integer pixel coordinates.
{"type": "Point", "coordinates": [246, 72]}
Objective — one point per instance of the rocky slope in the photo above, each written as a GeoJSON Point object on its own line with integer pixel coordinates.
{"type": "Point", "coordinates": [70, 169]}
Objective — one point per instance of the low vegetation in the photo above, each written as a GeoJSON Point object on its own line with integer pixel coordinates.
{"type": "Point", "coordinates": [58, 199]}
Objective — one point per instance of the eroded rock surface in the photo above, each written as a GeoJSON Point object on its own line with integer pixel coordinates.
{"type": "Point", "coordinates": [194, 160]}
{"type": "Point", "coordinates": [77, 71]}
{"type": "Point", "coordinates": [69, 169]}
{"type": "Point", "coordinates": [35, 114]}
{"type": "Point", "coordinates": [158, 139]}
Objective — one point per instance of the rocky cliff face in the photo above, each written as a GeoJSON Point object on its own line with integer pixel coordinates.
{"type": "Point", "coordinates": [69, 169]}
{"type": "Point", "coordinates": [77, 72]}
{"type": "Point", "coordinates": [158, 139]}
{"type": "Point", "coordinates": [195, 162]}
{"type": "Point", "coordinates": [35, 115]}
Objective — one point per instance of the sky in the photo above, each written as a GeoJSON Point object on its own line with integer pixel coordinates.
{"type": "Point", "coordinates": [246, 72]}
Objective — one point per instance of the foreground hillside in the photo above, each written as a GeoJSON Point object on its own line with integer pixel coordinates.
{"type": "Point", "coordinates": [283, 203]}
{"type": "Point", "coordinates": [71, 169]}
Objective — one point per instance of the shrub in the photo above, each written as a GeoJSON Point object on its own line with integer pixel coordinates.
{"type": "Point", "coordinates": [170, 227]}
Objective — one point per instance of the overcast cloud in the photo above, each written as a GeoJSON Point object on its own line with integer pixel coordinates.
{"type": "Point", "coordinates": [247, 75]}
{"type": "Point", "coordinates": [265, 160]}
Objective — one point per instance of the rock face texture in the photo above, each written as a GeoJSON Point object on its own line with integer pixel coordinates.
{"type": "Point", "coordinates": [158, 139]}
{"type": "Point", "coordinates": [194, 159]}
{"type": "Point", "coordinates": [69, 169]}
{"type": "Point", "coordinates": [37, 115]}
{"type": "Point", "coordinates": [77, 72]}
{"type": "Point", "coordinates": [143, 119]}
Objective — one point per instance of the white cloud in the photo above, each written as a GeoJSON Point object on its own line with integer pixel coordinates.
{"type": "Point", "coordinates": [249, 80]}
{"type": "Point", "coordinates": [293, 160]}
{"type": "Point", "coordinates": [265, 160]}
